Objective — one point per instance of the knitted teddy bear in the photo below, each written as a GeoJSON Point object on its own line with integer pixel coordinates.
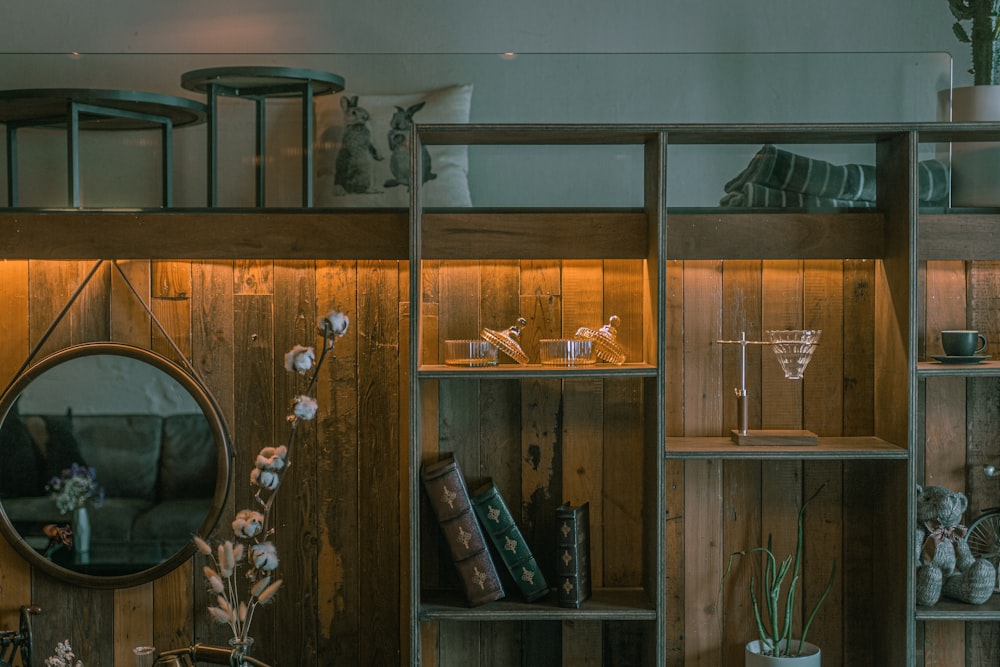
{"type": "Point", "coordinates": [945, 565]}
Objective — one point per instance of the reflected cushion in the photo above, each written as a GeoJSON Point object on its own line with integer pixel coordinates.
{"type": "Point", "coordinates": [362, 163]}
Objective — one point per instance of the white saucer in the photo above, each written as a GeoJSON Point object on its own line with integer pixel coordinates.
{"type": "Point", "coordinates": [974, 359]}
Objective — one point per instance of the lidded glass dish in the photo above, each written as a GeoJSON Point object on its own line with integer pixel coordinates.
{"type": "Point", "coordinates": [605, 341]}
{"type": "Point", "coordinates": [509, 340]}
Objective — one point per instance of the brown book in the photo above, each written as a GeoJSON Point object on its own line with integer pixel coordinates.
{"type": "Point", "coordinates": [449, 496]}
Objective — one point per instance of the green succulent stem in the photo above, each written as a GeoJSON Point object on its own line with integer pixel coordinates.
{"type": "Point", "coordinates": [774, 622]}
{"type": "Point", "coordinates": [984, 36]}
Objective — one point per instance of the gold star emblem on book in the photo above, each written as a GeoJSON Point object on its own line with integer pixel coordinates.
{"type": "Point", "coordinates": [510, 545]}
{"type": "Point", "coordinates": [567, 586]}
{"type": "Point", "coordinates": [567, 557]}
{"type": "Point", "coordinates": [464, 537]}
{"type": "Point", "coordinates": [448, 496]}
{"type": "Point", "coordinates": [527, 575]}
{"type": "Point", "coordinates": [479, 577]}
{"type": "Point", "coordinates": [565, 529]}
{"type": "Point", "coordinates": [493, 514]}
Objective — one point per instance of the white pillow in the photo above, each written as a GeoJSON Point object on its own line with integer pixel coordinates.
{"type": "Point", "coordinates": [375, 174]}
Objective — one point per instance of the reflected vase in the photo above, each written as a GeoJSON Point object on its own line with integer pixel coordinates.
{"type": "Point", "coordinates": [240, 649]}
{"type": "Point", "coordinates": [81, 534]}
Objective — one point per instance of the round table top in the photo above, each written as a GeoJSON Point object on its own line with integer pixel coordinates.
{"type": "Point", "coordinates": [48, 106]}
{"type": "Point", "coordinates": [264, 81]}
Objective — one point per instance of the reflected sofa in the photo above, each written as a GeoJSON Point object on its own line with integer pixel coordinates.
{"type": "Point", "coordinates": [158, 475]}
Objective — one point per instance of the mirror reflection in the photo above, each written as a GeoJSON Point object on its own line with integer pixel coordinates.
{"type": "Point", "coordinates": [111, 463]}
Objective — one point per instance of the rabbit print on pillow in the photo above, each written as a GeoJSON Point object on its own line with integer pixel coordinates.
{"type": "Point", "coordinates": [363, 150]}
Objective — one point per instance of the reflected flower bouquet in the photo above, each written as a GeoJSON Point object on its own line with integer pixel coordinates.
{"type": "Point", "coordinates": [252, 546]}
{"type": "Point", "coordinates": [74, 488]}
{"type": "Point", "coordinates": [64, 656]}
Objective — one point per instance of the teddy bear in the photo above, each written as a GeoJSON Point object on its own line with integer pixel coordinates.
{"type": "Point", "coordinates": [945, 565]}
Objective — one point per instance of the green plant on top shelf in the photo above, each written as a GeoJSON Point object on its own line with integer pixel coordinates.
{"type": "Point", "coordinates": [983, 34]}
{"type": "Point", "coordinates": [774, 620]}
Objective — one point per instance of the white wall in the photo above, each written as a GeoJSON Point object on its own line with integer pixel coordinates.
{"type": "Point", "coordinates": [490, 26]}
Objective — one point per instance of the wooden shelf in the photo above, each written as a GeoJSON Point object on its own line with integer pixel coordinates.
{"type": "Point", "coordinates": [950, 610]}
{"type": "Point", "coordinates": [617, 604]}
{"type": "Point", "coordinates": [204, 234]}
{"type": "Point", "coordinates": [741, 234]}
{"type": "Point", "coordinates": [989, 368]}
{"type": "Point", "coordinates": [966, 235]}
{"type": "Point", "coordinates": [866, 447]}
{"type": "Point", "coordinates": [480, 234]}
{"type": "Point", "coordinates": [517, 372]}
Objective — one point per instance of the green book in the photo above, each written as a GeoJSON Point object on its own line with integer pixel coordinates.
{"type": "Point", "coordinates": [573, 554]}
{"type": "Point", "coordinates": [503, 532]}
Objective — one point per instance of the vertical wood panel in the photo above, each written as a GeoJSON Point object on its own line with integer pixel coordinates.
{"type": "Point", "coordinates": [703, 531]}
{"type": "Point", "coordinates": [944, 430]}
{"type": "Point", "coordinates": [181, 596]}
{"type": "Point", "coordinates": [741, 484]}
{"type": "Point", "coordinates": [499, 430]}
{"type": "Point", "coordinates": [823, 381]}
{"type": "Point", "coordinates": [253, 332]}
{"type": "Point", "coordinates": [15, 573]}
{"type": "Point", "coordinates": [295, 511]}
{"type": "Point", "coordinates": [859, 350]}
{"type": "Point", "coordinates": [781, 484]}
{"type": "Point", "coordinates": [781, 287]}
{"type": "Point", "coordinates": [823, 525]}
{"type": "Point", "coordinates": [542, 444]}
{"type": "Point", "coordinates": [339, 556]}
{"type": "Point", "coordinates": [130, 324]}
{"type": "Point", "coordinates": [673, 557]}
{"type": "Point", "coordinates": [459, 286]}
{"type": "Point", "coordinates": [983, 420]}
{"type": "Point", "coordinates": [378, 372]}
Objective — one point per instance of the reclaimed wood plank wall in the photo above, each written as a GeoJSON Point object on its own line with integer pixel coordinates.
{"type": "Point", "coordinates": [343, 521]}
{"type": "Point", "coordinates": [337, 518]}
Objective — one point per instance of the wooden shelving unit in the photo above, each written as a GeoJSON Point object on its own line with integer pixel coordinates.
{"type": "Point", "coordinates": [647, 442]}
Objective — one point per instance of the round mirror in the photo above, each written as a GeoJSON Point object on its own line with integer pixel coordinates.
{"type": "Point", "coordinates": [113, 457]}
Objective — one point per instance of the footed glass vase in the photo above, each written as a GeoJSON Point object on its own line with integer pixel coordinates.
{"type": "Point", "coordinates": [240, 649]}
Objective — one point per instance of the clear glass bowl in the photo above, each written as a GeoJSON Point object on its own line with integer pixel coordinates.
{"type": "Point", "coordinates": [794, 349]}
{"type": "Point", "coordinates": [470, 353]}
{"type": "Point", "coordinates": [566, 352]}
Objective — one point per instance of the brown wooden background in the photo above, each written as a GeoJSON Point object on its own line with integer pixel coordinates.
{"type": "Point", "coordinates": [343, 520]}
{"type": "Point", "coordinates": [338, 514]}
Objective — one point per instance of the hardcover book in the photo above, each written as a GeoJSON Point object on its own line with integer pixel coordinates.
{"type": "Point", "coordinates": [499, 524]}
{"type": "Point", "coordinates": [449, 497]}
{"type": "Point", "coordinates": [573, 554]}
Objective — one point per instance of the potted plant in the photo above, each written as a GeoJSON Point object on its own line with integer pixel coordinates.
{"type": "Point", "coordinates": [975, 165]}
{"type": "Point", "coordinates": [772, 594]}
{"type": "Point", "coordinates": [982, 34]}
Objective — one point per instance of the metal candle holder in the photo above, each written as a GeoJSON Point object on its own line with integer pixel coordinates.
{"type": "Point", "coordinates": [793, 350]}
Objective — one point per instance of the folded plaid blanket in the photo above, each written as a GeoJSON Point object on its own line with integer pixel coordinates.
{"type": "Point", "coordinates": [779, 178]}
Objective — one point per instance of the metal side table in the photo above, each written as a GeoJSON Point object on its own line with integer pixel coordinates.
{"type": "Point", "coordinates": [259, 84]}
{"type": "Point", "coordinates": [77, 109]}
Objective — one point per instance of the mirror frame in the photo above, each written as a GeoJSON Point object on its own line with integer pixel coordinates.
{"type": "Point", "coordinates": [224, 457]}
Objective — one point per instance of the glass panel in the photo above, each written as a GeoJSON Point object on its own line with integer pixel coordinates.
{"type": "Point", "coordinates": [122, 169]}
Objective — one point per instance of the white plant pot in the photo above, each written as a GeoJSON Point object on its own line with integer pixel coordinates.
{"type": "Point", "coordinates": [810, 656]}
{"type": "Point", "coordinates": [975, 166]}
